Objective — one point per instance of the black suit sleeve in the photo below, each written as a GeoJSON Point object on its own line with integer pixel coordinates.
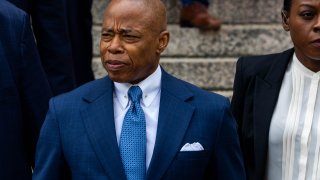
{"type": "Point", "coordinates": [238, 95]}
{"type": "Point", "coordinates": [34, 88]}
{"type": "Point", "coordinates": [49, 24]}
{"type": "Point", "coordinates": [228, 157]}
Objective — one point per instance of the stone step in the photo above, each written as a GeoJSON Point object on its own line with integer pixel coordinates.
{"type": "Point", "coordinates": [230, 41]}
{"type": "Point", "coordinates": [230, 11]}
{"type": "Point", "coordinates": [213, 74]}
{"type": "Point", "coordinates": [207, 58]}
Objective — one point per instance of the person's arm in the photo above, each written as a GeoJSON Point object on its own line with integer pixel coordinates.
{"type": "Point", "coordinates": [227, 158]}
{"type": "Point", "coordinates": [33, 88]}
{"type": "Point", "coordinates": [238, 96]}
{"type": "Point", "coordinates": [50, 161]}
{"type": "Point", "coordinates": [49, 23]}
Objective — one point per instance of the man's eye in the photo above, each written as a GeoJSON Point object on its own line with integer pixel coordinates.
{"type": "Point", "coordinates": [130, 38]}
{"type": "Point", "coordinates": [106, 36]}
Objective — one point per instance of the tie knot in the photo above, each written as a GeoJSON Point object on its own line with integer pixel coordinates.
{"type": "Point", "coordinates": [135, 94]}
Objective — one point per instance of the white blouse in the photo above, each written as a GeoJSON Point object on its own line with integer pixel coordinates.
{"type": "Point", "coordinates": [294, 136]}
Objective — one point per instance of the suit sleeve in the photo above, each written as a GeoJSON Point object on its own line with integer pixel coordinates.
{"type": "Point", "coordinates": [50, 162]}
{"type": "Point", "coordinates": [49, 23]}
{"type": "Point", "coordinates": [34, 88]}
{"type": "Point", "coordinates": [238, 95]}
{"type": "Point", "coordinates": [227, 158]}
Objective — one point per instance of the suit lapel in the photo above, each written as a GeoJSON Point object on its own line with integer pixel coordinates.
{"type": "Point", "coordinates": [265, 99]}
{"type": "Point", "coordinates": [174, 117]}
{"type": "Point", "coordinates": [98, 117]}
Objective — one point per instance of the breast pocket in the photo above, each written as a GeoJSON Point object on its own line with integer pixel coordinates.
{"type": "Point", "coordinates": [193, 155]}
{"type": "Point", "coordinates": [189, 165]}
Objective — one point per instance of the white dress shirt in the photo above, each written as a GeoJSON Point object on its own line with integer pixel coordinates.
{"type": "Point", "coordinates": [150, 104]}
{"type": "Point", "coordinates": [294, 136]}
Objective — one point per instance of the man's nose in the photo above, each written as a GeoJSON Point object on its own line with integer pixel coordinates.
{"type": "Point", "coordinates": [115, 46]}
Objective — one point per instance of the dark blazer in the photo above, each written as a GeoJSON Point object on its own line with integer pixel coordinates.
{"type": "Point", "coordinates": [79, 135]}
{"type": "Point", "coordinates": [79, 21]}
{"type": "Point", "coordinates": [256, 88]}
{"type": "Point", "coordinates": [49, 23]}
{"type": "Point", "coordinates": [24, 94]}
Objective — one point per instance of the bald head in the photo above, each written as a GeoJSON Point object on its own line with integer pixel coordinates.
{"type": "Point", "coordinates": [153, 12]}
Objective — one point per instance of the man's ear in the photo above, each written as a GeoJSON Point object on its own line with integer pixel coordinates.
{"type": "Point", "coordinates": [163, 41]}
{"type": "Point", "coordinates": [285, 20]}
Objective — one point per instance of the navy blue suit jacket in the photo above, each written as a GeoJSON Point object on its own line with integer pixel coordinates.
{"type": "Point", "coordinates": [24, 94]}
{"type": "Point", "coordinates": [49, 23]}
{"type": "Point", "coordinates": [79, 135]}
{"type": "Point", "coordinates": [257, 85]}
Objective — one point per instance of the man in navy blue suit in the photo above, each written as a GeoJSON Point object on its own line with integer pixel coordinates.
{"type": "Point", "coordinates": [50, 27]}
{"type": "Point", "coordinates": [24, 94]}
{"type": "Point", "coordinates": [188, 133]}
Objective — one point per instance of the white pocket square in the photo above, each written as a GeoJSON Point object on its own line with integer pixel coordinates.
{"type": "Point", "coordinates": [196, 146]}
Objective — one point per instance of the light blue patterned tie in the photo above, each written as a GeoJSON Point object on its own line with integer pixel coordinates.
{"type": "Point", "coordinates": [133, 138]}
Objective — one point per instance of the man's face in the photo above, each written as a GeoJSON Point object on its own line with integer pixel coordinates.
{"type": "Point", "coordinates": [129, 46]}
{"type": "Point", "coordinates": [303, 22]}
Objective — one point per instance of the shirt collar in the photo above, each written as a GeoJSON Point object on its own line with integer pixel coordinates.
{"type": "Point", "coordinates": [150, 88]}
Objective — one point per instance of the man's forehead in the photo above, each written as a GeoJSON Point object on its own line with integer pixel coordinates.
{"type": "Point", "coordinates": [126, 4]}
{"type": "Point", "coordinates": [126, 12]}
{"type": "Point", "coordinates": [138, 13]}
{"type": "Point", "coordinates": [124, 23]}
{"type": "Point", "coordinates": [127, 21]}
{"type": "Point", "coordinates": [139, 7]}
{"type": "Point", "coordinates": [119, 29]}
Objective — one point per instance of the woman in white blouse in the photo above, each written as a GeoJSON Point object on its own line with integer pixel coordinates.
{"type": "Point", "coordinates": [276, 101]}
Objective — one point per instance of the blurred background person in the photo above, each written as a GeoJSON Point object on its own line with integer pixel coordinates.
{"type": "Point", "coordinates": [276, 101]}
{"type": "Point", "coordinates": [24, 94]}
{"type": "Point", "coordinates": [79, 19]}
{"type": "Point", "coordinates": [63, 32]}
{"type": "Point", "coordinates": [49, 25]}
{"type": "Point", "coordinates": [194, 13]}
